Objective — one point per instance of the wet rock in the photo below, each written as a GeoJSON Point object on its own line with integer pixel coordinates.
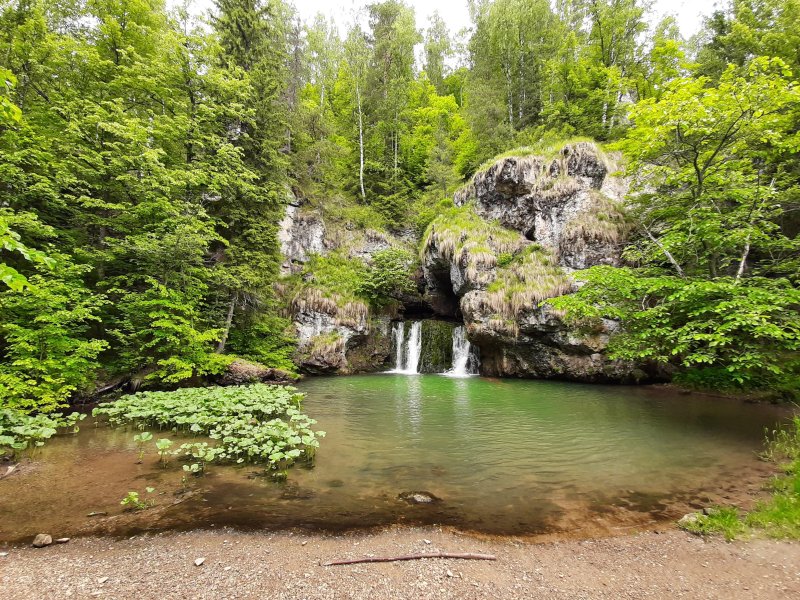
{"type": "Point", "coordinates": [241, 372]}
{"type": "Point", "coordinates": [419, 498]}
{"type": "Point", "coordinates": [41, 540]}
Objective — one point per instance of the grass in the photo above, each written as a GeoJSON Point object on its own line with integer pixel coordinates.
{"type": "Point", "coordinates": [516, 273]}
{"type": "Point", "coordinates": [547, 150]}
{"type": "Point", "coordinates": [530, 278]}
{"type": "Point", "coordinates": [605, 222]}
{"type": "Point", "coordinates": [459, 234]}
{"type": "Point", "coordinates": [778, 517]}
{"type": "Point", "coordinates": [722, 520]}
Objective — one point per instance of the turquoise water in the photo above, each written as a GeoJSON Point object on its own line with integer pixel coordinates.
{"type": "Point", "coordinates": [503, 456]}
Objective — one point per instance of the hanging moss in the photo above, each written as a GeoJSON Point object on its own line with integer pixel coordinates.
{"type": "Point", "coordinates": [437, 347]}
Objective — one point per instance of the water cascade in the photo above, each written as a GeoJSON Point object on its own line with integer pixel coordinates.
{"type": "Point", "coordinates": [465, 357]}
{"type": "Point", "coordinates": [433, 346]}
{"type": "Point", "coordinates": [407, 348]}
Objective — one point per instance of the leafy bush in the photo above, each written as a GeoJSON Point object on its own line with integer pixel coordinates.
{"type": "Point", "coordinates": [259, 423]}
{"type": "Point", "coordinates": [388, 277]}
{"type": "Point", "coordinates": [46, 352]}
{"type": "Point", "coordinates": [162, 331]}
{"type": "Point", "coordinates": [268, 340]}
{"type": "Point", "coordinates": [742, 333]}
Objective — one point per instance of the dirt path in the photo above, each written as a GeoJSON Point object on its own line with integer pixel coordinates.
{"type": "Point", "coordinates": [670, 564]}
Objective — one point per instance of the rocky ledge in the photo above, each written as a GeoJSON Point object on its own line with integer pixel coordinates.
{"type": "Point", "coordinates": [521, 227]}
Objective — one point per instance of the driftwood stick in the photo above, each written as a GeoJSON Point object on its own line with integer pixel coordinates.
{"type": "Point", "coordinates": [376, 559]}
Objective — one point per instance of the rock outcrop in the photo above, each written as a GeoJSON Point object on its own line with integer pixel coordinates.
{"type": "Point", "coordinates": [523, 226]}
{"type": "Point", "coordinates": [334, 334]}
{"type": "Point", "coordinates": [567, 204]}
{"type": "Point", "coordinates": [301, 233]}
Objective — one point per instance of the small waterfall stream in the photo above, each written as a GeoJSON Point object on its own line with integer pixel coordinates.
{"type": "Point", "coordinates": [436, 347]}
{"type": "Point", "coordinates": [464, 356]}
{"type": "Point", "coordinates": [407, 349]}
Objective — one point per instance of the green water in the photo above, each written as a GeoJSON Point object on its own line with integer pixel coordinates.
{"type": "Point", "coordinates": [504, 457]}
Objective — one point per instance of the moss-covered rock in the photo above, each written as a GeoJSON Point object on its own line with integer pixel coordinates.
{"type": "Point", "coordinates": [436, 355]}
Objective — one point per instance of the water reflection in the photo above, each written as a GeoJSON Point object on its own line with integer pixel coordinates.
{"type": "Point", "coordinates": [505, 457]}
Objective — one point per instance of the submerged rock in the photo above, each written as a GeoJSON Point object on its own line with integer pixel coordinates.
{"type": "Point", "coordinates": [419, 498]}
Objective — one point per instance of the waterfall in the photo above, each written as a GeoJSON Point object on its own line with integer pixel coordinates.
{"type": "Point", "coordinates": [433, 346]}
{"type": "Point", "coordinates": [398, 339]}
{"type": "Point", "coordinates": [464, 355]}
{"type": "Point", "coordinates": [407, 350]}
{"type": "Point", "coordinates": [414, 348]}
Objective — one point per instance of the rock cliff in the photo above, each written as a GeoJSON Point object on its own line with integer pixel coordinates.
{"type": "Point", "coordinates": [519, 230]}
{"type": "Point", "coordinates": [336, 333]}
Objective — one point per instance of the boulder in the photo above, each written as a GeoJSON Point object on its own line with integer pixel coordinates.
{"type": "Point", "coordinates": [241, 372]}
{"type": "Point", "coordinates": [41, 540]}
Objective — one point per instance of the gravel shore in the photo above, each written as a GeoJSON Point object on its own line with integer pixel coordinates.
{"type": "Point", "coordinates": [665, 564]}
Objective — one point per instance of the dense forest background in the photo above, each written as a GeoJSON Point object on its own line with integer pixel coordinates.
{"type": "Point", "coordinates": [146, 158]}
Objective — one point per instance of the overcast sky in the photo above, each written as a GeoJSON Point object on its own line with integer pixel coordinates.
{"type": "Point", "coordinates": [454, 12]}
{"type": "Point", "coordinates": [688, 12]}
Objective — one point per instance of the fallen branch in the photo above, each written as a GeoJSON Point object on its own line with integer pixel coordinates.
{"type": "Point", "coordinates": [377, 559]}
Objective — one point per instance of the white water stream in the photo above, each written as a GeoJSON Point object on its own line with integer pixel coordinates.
{"type": "Point", "coordinates": [408, 350]}
{"type": "Point", "coordinates": [464, 359]}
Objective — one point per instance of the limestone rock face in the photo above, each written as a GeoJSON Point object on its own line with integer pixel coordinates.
{"type": "Point", "coordinates": [338, 337]}
{"type": "Point", "coordinates": [301, 233]}
{"type": "Point", "coordinates": [527, 223]}
{"type": "Point", "coordinates": [565, 204]}
{"type": "Point", "coordinates": [334, 335]}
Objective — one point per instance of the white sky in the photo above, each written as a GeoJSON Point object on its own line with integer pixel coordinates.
{"type": "Point", "coordinates": [688, 12]}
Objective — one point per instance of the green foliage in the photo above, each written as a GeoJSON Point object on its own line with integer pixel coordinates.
{"type": "Point", "coordinates": [709, 165]}
{"type": "Point", "coordinates": [388, 277]}
{"type": "Point", "coordinates": [140, 439]}
{"type": "Point", "coordinates": [747, 331]}
{"type": "Point", "coordinates": [160, 333]}
{"type": "Point", "coordinates": [723, 520]}
{"type": "Point", "coordinates": [48, 351]}
{"type": "Point", "coordinates": [133, 501]}
{"type": "Point", "coordinates": [258, 424]}
{"type": "Point", "coordinates": [268, 340]}
{"type": "Point", "coordinates": [163, 445]}
{"type": "Point", "coordinates": [20, 431]}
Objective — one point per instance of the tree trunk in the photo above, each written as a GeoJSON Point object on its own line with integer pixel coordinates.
{"type": "Point", "coordinates": [228, 321]}
{"type": "Point", "coordinates": [666, 252]}
{"type": "Point", "coordinates": [360, 142]}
